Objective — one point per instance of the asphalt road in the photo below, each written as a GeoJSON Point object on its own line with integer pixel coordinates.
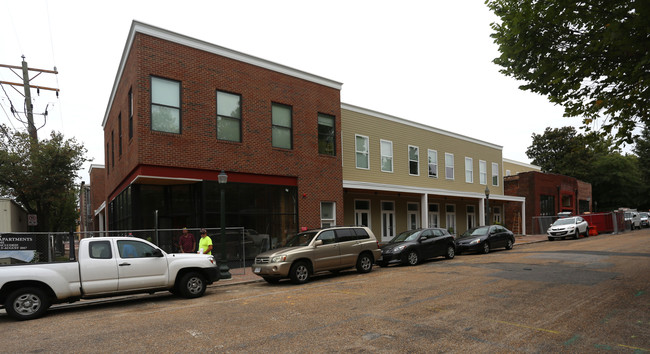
{"type": "Point", "coordinates": [587, 295]}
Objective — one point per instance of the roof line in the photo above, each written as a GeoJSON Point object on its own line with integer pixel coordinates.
{"type": "Point", "coordinates": [417, 125]}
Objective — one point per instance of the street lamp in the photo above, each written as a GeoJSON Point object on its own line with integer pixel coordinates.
{"type": "Point", "coordinates": [224, 270]}
{"type": "Point", "coordinates": [487, 206]}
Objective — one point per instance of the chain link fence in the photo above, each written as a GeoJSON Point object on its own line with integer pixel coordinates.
{"type": "Point", "coordinates": [236, 245]}
{"type": "Point", "coordinates": [37, 247]}
{"type": "Point", "coordinates": [613, 222]}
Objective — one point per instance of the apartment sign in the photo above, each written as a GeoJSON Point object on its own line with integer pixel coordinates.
{"type": "Point", "coordinates": [17, 242]}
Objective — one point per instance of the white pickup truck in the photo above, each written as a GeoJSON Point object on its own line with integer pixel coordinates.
{"type": "Point", "coordinates": [106, 266]}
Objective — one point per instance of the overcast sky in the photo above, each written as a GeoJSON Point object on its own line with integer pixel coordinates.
{"type": "Point", "coordinates": [425, 61]}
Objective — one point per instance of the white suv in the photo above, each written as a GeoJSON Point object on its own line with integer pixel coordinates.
{"type": "Point", "coordinates": [310, 252]}
{"type": "Point", "coordinates": [572, 226]}
{"type": "Point", "coordinates": [634, 219]}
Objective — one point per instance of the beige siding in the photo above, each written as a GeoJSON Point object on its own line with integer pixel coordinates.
{"type": "Point", "coordinates": [403, 133]}
{"type": "Point", "coordinates": [516, 167]}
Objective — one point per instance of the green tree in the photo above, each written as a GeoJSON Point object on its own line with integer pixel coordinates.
{"type": "Point", "coordinates": [564, 151]}
{"type": "Point", "coordinates": [617, 182]}
{"type": "Point", "coordinates": [589, 56]}
{"type": "Point", "coordinates": [40, 176]}
{"type": "Point", "coordinates": [642, 151]}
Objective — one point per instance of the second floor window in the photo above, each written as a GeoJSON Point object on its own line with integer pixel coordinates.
{"type": "Point", "coordinates": [228, 116]}
{"type": "Point", "coordinates": [495, 174]}
{"type": "Point", "coordinates": [433, 163]}
{"type": "Point", "coordinates": [130, 113]}
{"type": "Point", "coordinates": [469, 170]}
{"type": "Point", "coordinates": [386, 150]}
{"type": "Point", "coordinates": [361, 148]}
{"type": "Point", "coordinates": [326, 135]}
{"type": "Point", "coordinates": [282, 127]}
{"type": "Point", "coordinates": [482, 172]}
{"type": "Point", "coordinates": [449, 166]}
{"type": "Point", "coordinates": [414, 160]}
{"type": "Point", "coordinates": [165, 105]}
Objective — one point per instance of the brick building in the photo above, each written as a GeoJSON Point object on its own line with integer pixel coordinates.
{"type": "Point", "coordinates": [182, 110]}
{"type": "Point", "coordinates": [548, 194]}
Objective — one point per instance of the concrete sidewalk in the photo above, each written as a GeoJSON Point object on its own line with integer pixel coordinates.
{"type": "Point", "coordinates": [246, 275]}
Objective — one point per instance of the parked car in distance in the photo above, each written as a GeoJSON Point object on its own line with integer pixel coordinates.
{"type": "Point", "coordinates": [644, 219]}
{"type": "Point", "coordinates": [633, 218]}
{"type": "Point", "coordinates": [568, 227]}
{"type": "Point", "coordinates": [411, 247]}
{"type": "Point", "coordinates": [485, 238]}
{"type": "Point", "coordinates": [314, 251]}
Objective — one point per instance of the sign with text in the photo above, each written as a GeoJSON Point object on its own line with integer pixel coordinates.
{"type": "Point", "coordinates": [17, 242]}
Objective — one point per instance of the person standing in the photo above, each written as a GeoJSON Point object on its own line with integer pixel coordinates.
{"type": "Point", "coordinates": [187, 243]}
{"type": "Point", "coordinates": [205, 243]}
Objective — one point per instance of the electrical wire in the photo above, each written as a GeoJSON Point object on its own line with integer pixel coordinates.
{"type": "Point", "coordinates": [56, 76]}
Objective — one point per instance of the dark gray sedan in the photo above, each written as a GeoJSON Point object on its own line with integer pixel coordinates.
{"type": "Point", "coordinates": [411, 247]}
{"type": "Point", "coordinates": [485, 238]}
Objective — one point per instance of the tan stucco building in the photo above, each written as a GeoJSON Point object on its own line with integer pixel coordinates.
{"type": "Point", "coordinates": [400, 175]}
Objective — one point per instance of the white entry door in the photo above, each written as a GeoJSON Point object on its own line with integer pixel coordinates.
{"type": "Point", "coordinates": [387, 221]}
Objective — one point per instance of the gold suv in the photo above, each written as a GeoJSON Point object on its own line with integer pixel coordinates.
{"type": "Point", "coordinates": [310, 252]}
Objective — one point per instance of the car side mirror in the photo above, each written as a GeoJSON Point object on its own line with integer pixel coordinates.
{"type": "Point", "coordinates": [318, 243]}
{"type": "Point", "coordinates": [157, 253]}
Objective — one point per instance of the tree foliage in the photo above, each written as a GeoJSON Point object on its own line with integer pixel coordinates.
{"type": "Point", "coordinates": [564, 151]}
{"type": "Point", "coordinates": [616, 179]}
{"type": "Point", "coordinates": [40, 176]}
{"type": "Point", "coordinates": [642, 151]}
{"type": "Point", "coordinates": [616, 182]}
{"type": "Point", "coordinates": [589, 56]}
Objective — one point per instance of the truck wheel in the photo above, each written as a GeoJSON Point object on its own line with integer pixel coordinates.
{"type": "Point", "coordinates": [192, 285]}
{"type": "Point", "coordinates": [299, 273]}
{"type": "Point", "coordinates": [27, 304]}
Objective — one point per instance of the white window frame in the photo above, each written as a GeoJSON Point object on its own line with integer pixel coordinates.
{"type": "Point", "coordinates": [381, 152]}
{"type": "Point", "coordinates": [417, 154]}
{"type": "Point", "coordinates": [482, 172]}
{"type": "Point", "coordinates": [358, 211]}
{"type": "Point", "coordinates": [508, 173]}
{"type": "Point", "coordinates": [433, 153]}
{"type": "Point", "coordinates": [415, 213]}
{"type": "Point", "coordinates": [495, 173]}
{"type": "Point", "coordinates": [447, 154]}
{"type": "Point", "coordinates": [453, 218]}
{"type": "Point", "coordinates": [158, 100]}
{"type": "Point", "coordinates": [331, 221]}
{"type": "Point", "coordinates": [357, 151]}
{"type": "Point", "coordinates": [387, 214]}
{"type": "Point", "coordinates": [496, 214]}
{"type": "Point", "coordinates": [436, 213]}
{"type": "Point", "coordinates": [471, 216]}
{"type": "Point", "coordinates": [469, 170]}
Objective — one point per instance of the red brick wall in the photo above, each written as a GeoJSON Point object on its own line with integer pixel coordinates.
{"type": "Point", "coordinates": [201, 74]}
{"type": "Point", "coordinates": [97, 191]}
{"type": "Point", "coordinates": [533, 184]}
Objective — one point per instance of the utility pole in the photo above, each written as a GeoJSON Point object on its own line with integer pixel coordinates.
{"type": "Point", "coordinates": [31, 128]}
